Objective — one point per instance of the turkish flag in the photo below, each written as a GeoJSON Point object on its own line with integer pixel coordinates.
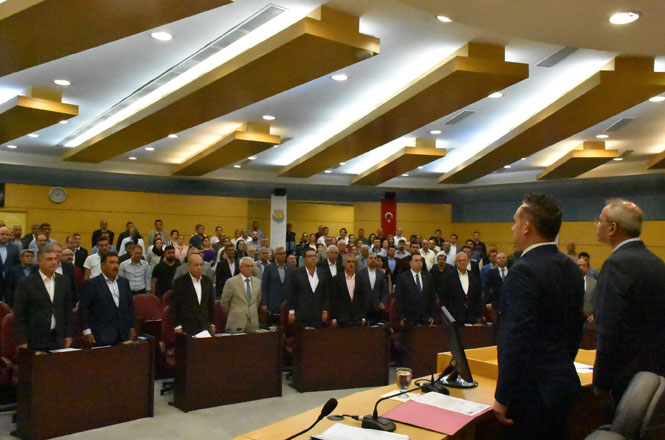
{"type": "Point", "coordinates": [388, 216]}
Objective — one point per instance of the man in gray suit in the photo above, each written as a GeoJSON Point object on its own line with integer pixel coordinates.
{"type": "Point", "coordinates": [589, 287]}
{"type": "Point", "coordinates": [241, 298]}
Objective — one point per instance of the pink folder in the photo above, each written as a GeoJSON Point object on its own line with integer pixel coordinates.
{"type": "Point", "coordinates": [430, 417]}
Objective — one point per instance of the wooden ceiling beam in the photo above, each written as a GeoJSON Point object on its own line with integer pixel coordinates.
{"type": "Point", "coordinates": [585, 157]}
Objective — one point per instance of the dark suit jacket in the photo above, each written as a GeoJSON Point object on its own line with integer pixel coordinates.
{"type": "Point", "coordinates": [16, 274]}
{"type": "Point", "coordinates": [69, 272]}
{"type": "Point", "coordinates": [492, 294]}
{"type": "Point", "coordinates": [273, 290]}
{"type": "Point", "coordinates": [324, 265]}
{"type": "Point", "coordinates": [373, 297]}
{"type": "Point", "coordinates": [629, 310]}
{"type": "Point", "coordinates": [98, 312]}
{"type": "Point", "coordinates": [79, 257]}
{"type": "Point", "coordinates": [187, 312]}
{"type": "Point", "coordinates": [308, 305]}
{"type": "Point", "coordinates": [33, 310]}
{"type": "Point", "coordinates": [437, 279]}
{"type": "Point", "coordinates": [223, 273]}
{"type": "Point", "coordinates": [475, 267]}
{"type": "Point", "coordinates": [540, 332]}
{"type": "Point", "coordinates": [26, 240]}
{"type": "Point", "coordinates": [404, 265]}
{"type": "Point", "coordinates": [417, 308]}
{"type": "Point", "coordinates": [345, 311]}
{"type": "Point", "coordinates": [5, 267]}
{"type": "Point", "coordinates": [465, 308]}
{"type": "Point", "coordinates": [98, 233]}
{"type": "Point", "coordinates": [394, 273]}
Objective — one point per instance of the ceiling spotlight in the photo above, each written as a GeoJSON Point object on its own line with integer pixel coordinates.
{"type": "Point", "coordinates": [237, 166]}
{"type": "Point", "coordinates": [62, 82]}
{"type": "Point", "coordinates": [618, 158]}
{"type": "Point", "coordinates": [12, 147]}
{"type": "Point", "coordinates": [602, 136]}
{"type": "Point", "coordinates": [149, 148]}
{"type": "Point", "coordinates": [524, 158]}
{"type": "Point", "coordinates": [507, 166]}
{"type": "Point", "coordinates": [443, 19]}
{"type": "Point", "coordinates": [327, 171]}
{"type": "Point", "coordinates": [624, 17]}
{"type": "Point", "coordinates": [173, 136]}
{"type": "Point", "coordinates": [33, 135]}
{"type": "Point", "coordinates": [161, 36]}
{"type": "Point", "coordinates": [657, 99]}
{"type": "Point", "coordinates": [342, 163]}
{"type": "Point", "coordinates": [268, 117]}
{"type": "Point", "coordinates": [63, 122]}
{"type": "Point", "coordinates": [495, 95]}
{"type": "Point", "coordinates": [421, 167]}
{"type": "Point", "coordinates": [131, 158]}
{"type": "Point", "coordinates": [405, 175]}
{"type": "Point", "coordinates": [252, 158]}
{"type": "Point", "coordinates": [340, 77]}
{"type": "Point", "coordinates": [435, 132]}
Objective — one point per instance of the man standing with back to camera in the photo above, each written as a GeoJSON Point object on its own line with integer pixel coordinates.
{"type": "Point", "coordinates": [541, 328]}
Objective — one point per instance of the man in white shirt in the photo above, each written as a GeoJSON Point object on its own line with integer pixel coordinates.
{"type": "Point", "coordinates": [193, 300]}
{"type": "Point", "coordinates": [137, 271]}
{"type": "Point", "coordinates": [399, 237]}
{"type": "Point", "coordinates": [453, 249]}
{"type": "Point", "coordinates": [92, 265]}
{"type": "Point", "coordinates": [428, 255]}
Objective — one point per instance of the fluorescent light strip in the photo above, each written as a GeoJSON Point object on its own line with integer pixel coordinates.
{"type": "Point", "coordinates": [271, 19]}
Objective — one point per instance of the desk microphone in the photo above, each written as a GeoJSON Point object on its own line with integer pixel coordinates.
{"type": "Point", "coordinates": [327, 409]}
{"type": "Point", "coordinates": [381, 423]}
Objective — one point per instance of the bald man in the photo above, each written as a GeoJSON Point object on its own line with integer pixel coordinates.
{"type": "Point", "coordinates": [193, 300]}
{"type": "Point", "coordinates": [461, 291]}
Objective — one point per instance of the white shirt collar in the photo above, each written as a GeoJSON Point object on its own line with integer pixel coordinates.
{"type": "Point", "coordinates": [533, 246]}
{"type": "Point", "coordinates": [194, 279]}
{"type": "Point", "coordinates": [44, 277]}
{"type": "Point", "coordinates": [630, 240]}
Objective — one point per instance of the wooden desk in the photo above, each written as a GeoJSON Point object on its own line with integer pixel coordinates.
{"type": "Point", "coordinates": [336, 358]}
{"type": "Point", "coordinates": [63, 393]}
{"type": "Point", "coordinates": [421, 344]}
{"type": "Point", "coordinates": [226, 369]}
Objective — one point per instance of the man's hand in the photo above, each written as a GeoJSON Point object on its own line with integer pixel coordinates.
{"type": "Point", "coordinates": [21, 347]}
{"type": "Point", "coordinates": [431, 321]}
{"type": "Point", "coordinates": [132, 334]}
{"type": "Point", "coordinates": [334, 323]}
{"type": "Point", "coordinates": [590, 319]}
{"type": "Point", "coordinates": [264, 309]}
{"type": "Point", "coordinates": [90, 338]}
{"type": "Point", "coordinates": [68, 342]}
{"type": "Point", "coordinates": [382, 306]}
{"type": "Point", "coordinates": [292, 318]}
{"type": "Point", "coordinates": [212, 329]}
{"type": "Point", "coordinates": [500, 412]}
{"type": "Point", "coordinates": [324, 316]}
{"type": "Point", "coordinates": [179, 330]}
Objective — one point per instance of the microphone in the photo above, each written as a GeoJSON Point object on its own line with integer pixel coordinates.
{"type": "Point", "coordinates": [433, 385]}
{"type": "Point", "coordinates": [381, 423]}
{"type": "Point", "coordinates": [327, 409]}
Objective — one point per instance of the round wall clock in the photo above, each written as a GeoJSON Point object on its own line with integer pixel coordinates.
{"type": "Point", "coordinates": [57, 194]}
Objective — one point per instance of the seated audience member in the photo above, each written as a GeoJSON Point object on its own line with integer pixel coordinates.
{"type": "Point", "coordinates": [589, 287]}
{"type": "Point", "coordinates": [348, 305]}
{"type": "Point", "coordinates": [92, 264]}
{"type": "Point", "coordinates": [103, 230]}
{"type": "Point", "coordinates": [495, 281]}
{"type": "Point", "coordinates": [208, 251]}
{"type": "Point", "coordinates": [107, 319]}
{"type": "Point", "coordinates": [196, 240]}
{"type": "Point", "coordinates": [193, 300]}
{"type": "Point", "coordinates": [292, 261]}
{"type": "Point", "coordinates": [332, 265]}
{"type": "Point", "coordinates": [273, 284]}
{"type": "Point", "coordinates": [155, 252]}
{"type": "Point", "coordinates": [374, 286]}
{"type": "Point", "coordinates": [137, 271]}
{"type": "Point", "coordinates": [226, 268]}
{"type": "Point", "coordinates": [262, 262]}
{"type": "Point", "coordinates": [164, 273]}
{"type": "Point", "coordinates": [308, 293]}
{"type": "Point", "coordinates": [485, 270]}
{"type": "Point", "coordinates": [134, 237]}
{"type": "Point", "coordinates": [462, 292]}
{"type": "Point", "coordinates": [43, 322]}
{"type": "Point", "coordinates": [17, 273]}
{"type": "Point", "coordinates": [241, 297]}
{"type": "Point", "coordinates": [592, 272]}
{"type": "Point", "coordinates": [182, 269]}
{"type": "Point", "coordinates": [415, 298]}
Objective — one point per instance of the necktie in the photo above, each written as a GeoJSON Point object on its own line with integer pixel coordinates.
{"type": "Point", "coordinates": [249, 290]}
{"type": "Point", "coordinates": [503, 274]}
{"type": "Point", "coordinates": [418, 285]}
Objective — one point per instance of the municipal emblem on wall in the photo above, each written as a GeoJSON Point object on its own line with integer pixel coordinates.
{"type": "Point", "coordinates": [278, 215]}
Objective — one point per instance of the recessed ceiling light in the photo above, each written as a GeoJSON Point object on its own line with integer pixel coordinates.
{"type": "Point", "coordinates": [405, 175]}
{"type": "Point", "coordinates": [275, 146]}
{"type": "Point", "coordinates": [252, 158]}
{"type": "Point", "coordinates": [327, 171]}
{"type": "Point", "coordinates": [524, 158]}
{"type": "Point", "coordinates": [149, 148]}
{"type": "Point", "coordinates": [237, 166]}
{"type": "Point", "coordinates": [602, 136]}
{"type": "Point", "coordinates": [62, 82]}
{"type": "Point", "coordinates": [624, 17]}
{"type": "Point", "coordinates": [443, 19]}
{"type": "Point", "coordinates": [33, 135]}
{"type": "Point", "coordinates": [161, 36]}
{"type": "Point", "coordinates": [342, 163]}
{"type": "Point", "coordinates": [12, 147]}
{"type": "Point", "coordinates": [421, 167]}
{"type": "Point", "coordinates": [63, 122]}
{"type": "Point", "coordinates": [268, 117]}
{"type": "Point", "coordinates": [495, 95]}
{"type": "Point", "coordinates": [131, 158]}
{"type": "Point", "coordinates": [618, 158]}
{"type": "Point", "coordinates": [657, 99]}
{"type": "Point", "coordinates": [340, 77]}
{"type": "Point", "coordinates": [173, 136]}
{"type": "Point", "coordinates": [435, 132]}
{"type": "Point", "coordinates": [507, 166]}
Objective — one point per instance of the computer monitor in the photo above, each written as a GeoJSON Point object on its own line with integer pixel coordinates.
{"type": "Point", "coordinates": [458, 374]}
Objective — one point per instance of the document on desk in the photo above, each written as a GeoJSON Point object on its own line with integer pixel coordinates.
{"type": "Point", "coordinates": [437, 412]}
{"type": "Point", "coordinates": [65, 350]}
{"type": "Point", "coordinates": [340, 431]}
{"type": "Point", "coordinates": [203, 334]}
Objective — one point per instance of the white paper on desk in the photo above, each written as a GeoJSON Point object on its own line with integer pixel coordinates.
{"type": "Point", "coordinates": [583, 368]}
{"type": "Point", "coordinates": [231, 334]}
{"type": "Point", "coordinates": [451, 403]}
{"type": "Point", "coordinates": [203, 334]}
{"type": "Point", "coordinates": [339, 431]}
{"type": "Point", "coordinates": [400, 398]}
{"type": "Point", "coordinates": [65, 350]}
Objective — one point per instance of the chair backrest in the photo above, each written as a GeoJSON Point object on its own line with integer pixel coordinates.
{"type": "Point", "coordinates": [392, 313]}
{"type": "Point", "coordinates": [147, 306]}
{"type": "Point", "coordinates": [639, 414]}
{"type": "Point", "coordinates": [4, 311]}
{"type": "Point", "coordinates": [8, 345]}
{"type": "Point", "coordinates": [166, 298]}
{"type": "Point", "coordinates": [168, 333]}
{"type": "Point", "coordinates": [220, 317]}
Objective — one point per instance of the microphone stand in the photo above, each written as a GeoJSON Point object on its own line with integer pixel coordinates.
{"type": "Point", "coordinates": [329, 407]}
{"type": "Point", "coordinates": [434, 385]}
{"type": "Point", "coordinates": [381, 423]}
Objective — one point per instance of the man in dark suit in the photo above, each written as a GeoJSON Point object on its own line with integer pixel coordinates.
{"type": "Point", "coordinates": [438, 271]}
{"type": "Point", "coordinates": [193, 300]}
{"type": "Point", "coordinates": [273, 285]}
{"type": "Point", "coordinates": [80, 254]}
{"type": "Point", "coordinates": [495, 279]}
{"type": "Point", "coordinates": [461, 292]}
{"type": "Point", "coordinates": [103, 229]}
{"type": "Point", "coordinates": [66, 269]}
{"type": "Point", "coordinates": [374, 287]}
{"type": "Point", "coordinates": [415, 298]}
{"type": "Point", "coordinates": [348, 305]}
{"type": "Point", "coordinates": [308, 293]}
{"type": "Point", "coordinates": [332, 265]}
{"type": "Point", "coordinates": [18, 272]}
{"type": "Point", "coordinates": [43, 307]}
{"type": "Point", "coordinates": [27, 238]}
{"type": "Point", "coordinates": [541, 328]}
{"type": "Point", "coordinates": [106, 306]}
{"type": "Point", "coordinates": [226, 268]}
{"type": "Point", "coordinates": [9, 257]}
{"type": "Point", "coordinates": [628, 304]}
